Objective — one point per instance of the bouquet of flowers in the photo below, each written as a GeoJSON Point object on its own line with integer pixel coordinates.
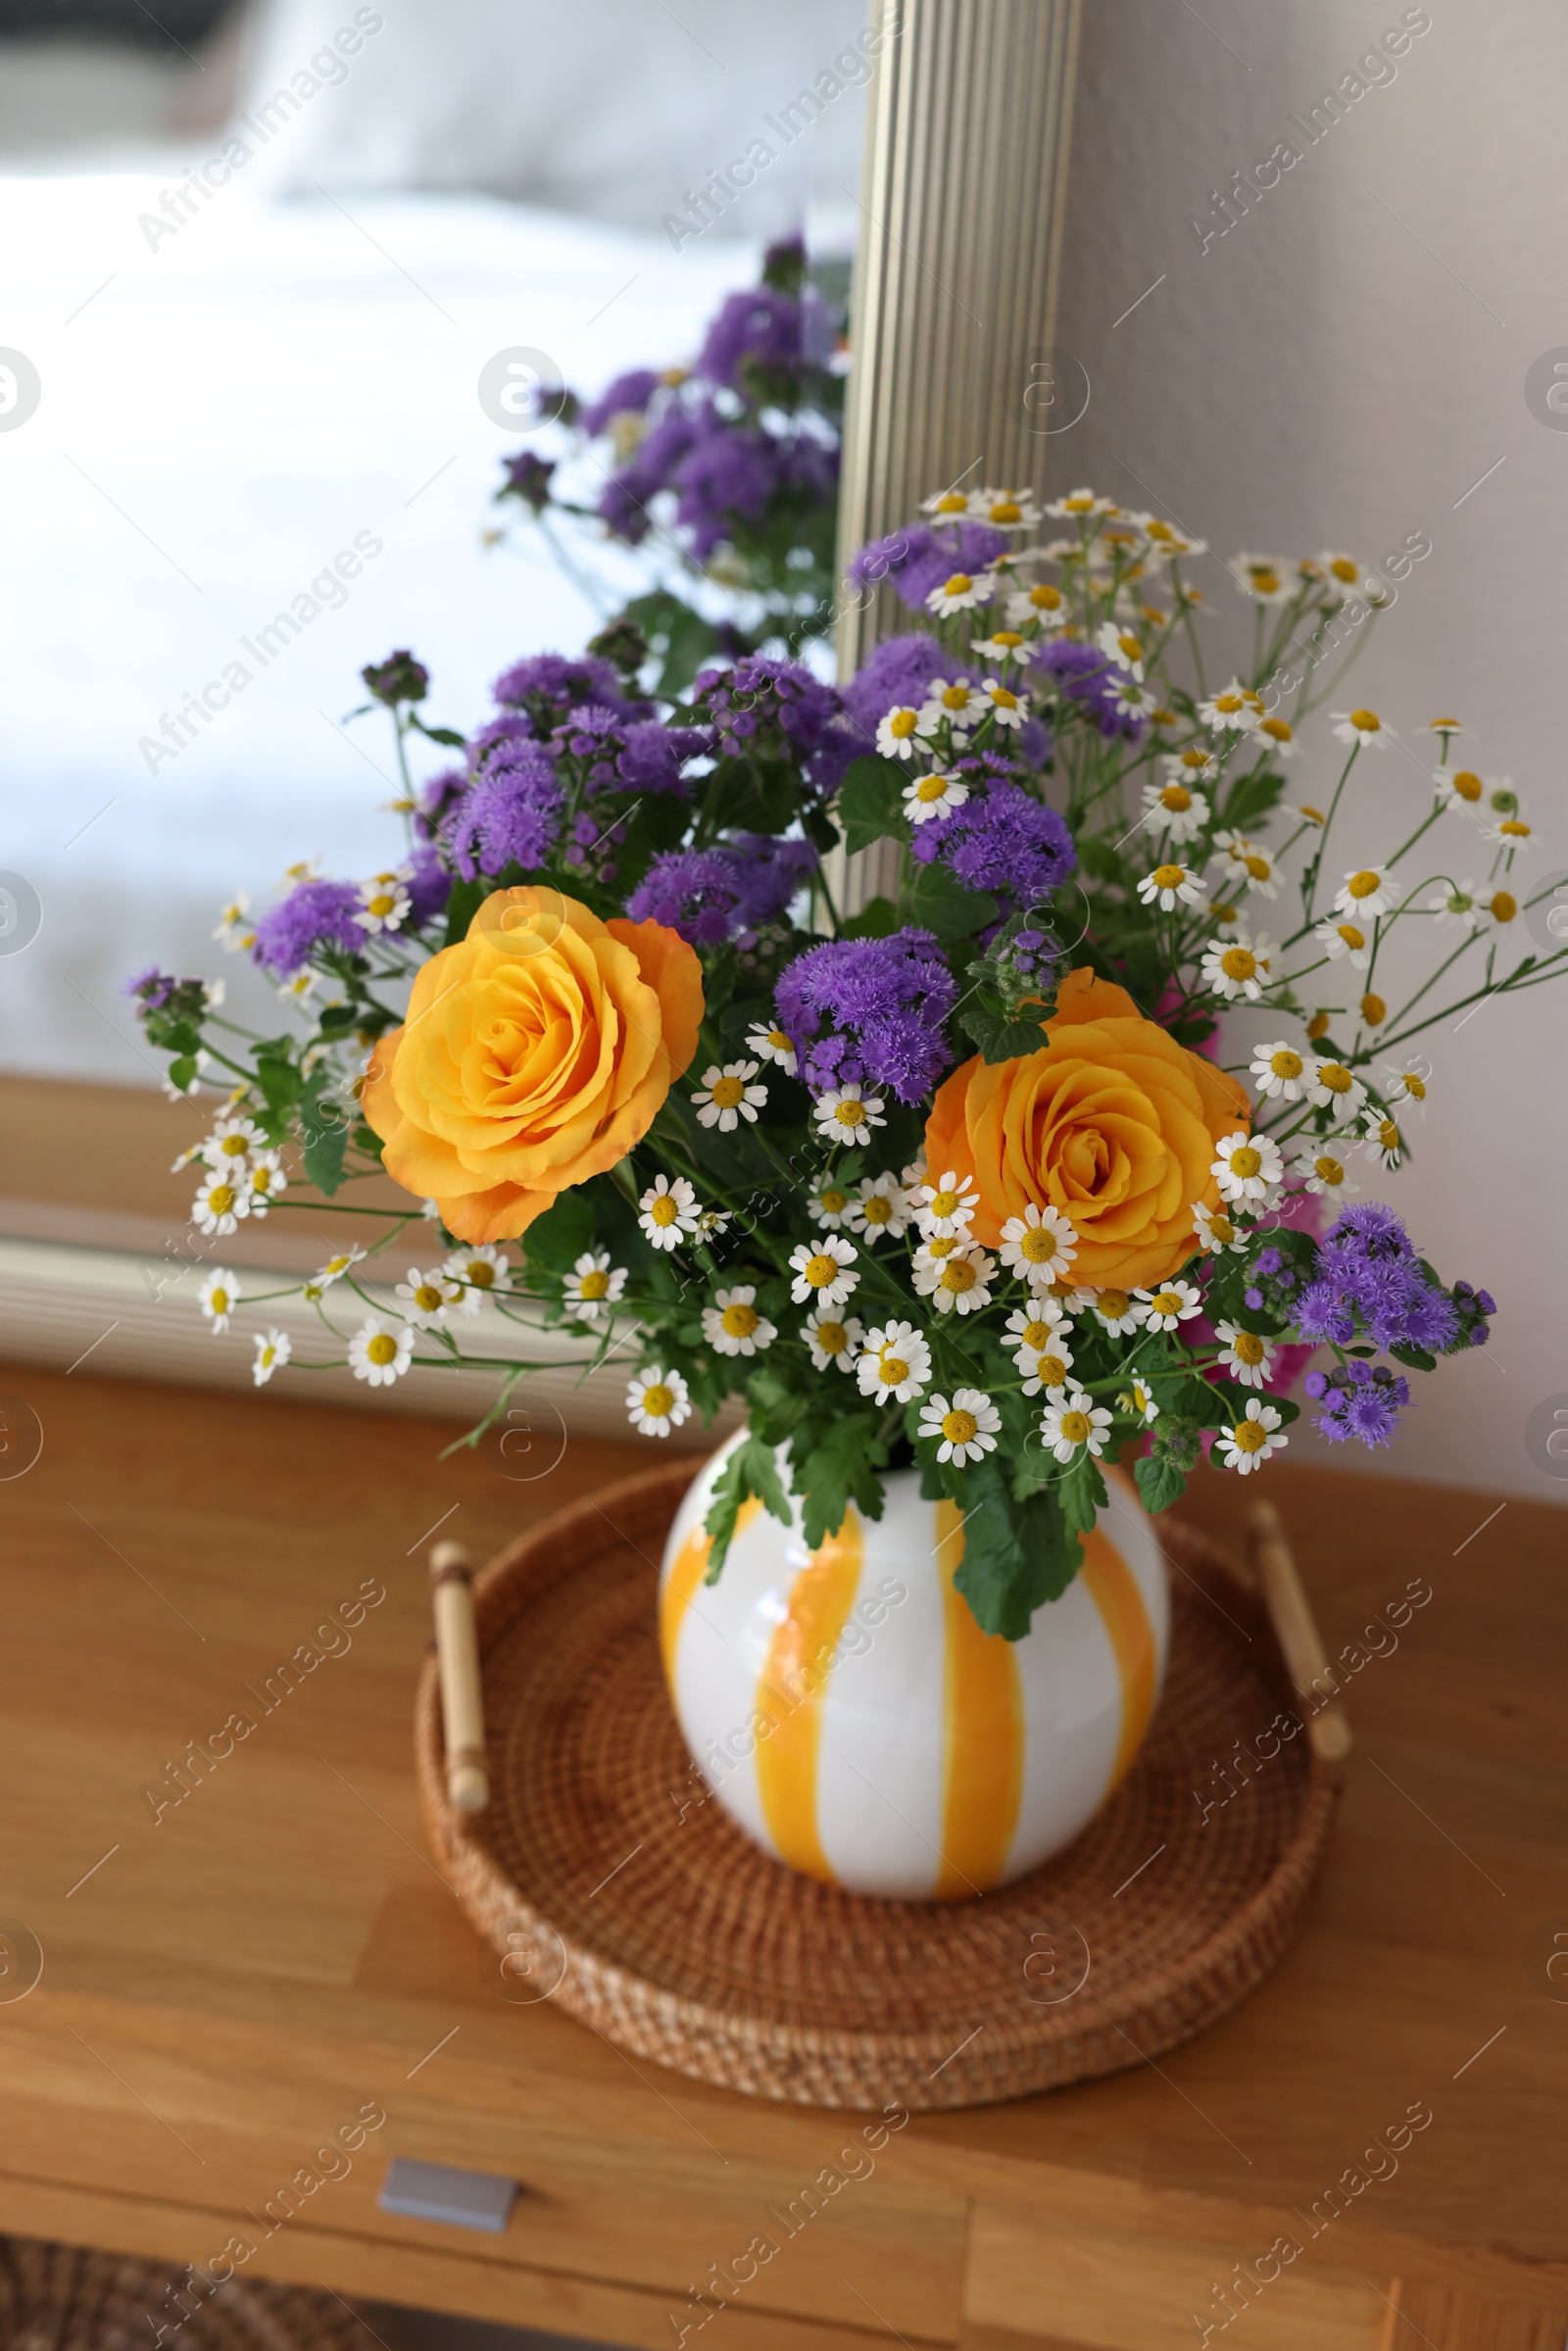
{"type": "Point", "coordinates": [962, 1181]}
{"type": "Point", "coordinates": [724, 474]}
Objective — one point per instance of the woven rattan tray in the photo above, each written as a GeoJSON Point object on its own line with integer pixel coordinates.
{"type": "Point", "coordinates": [601, 1881]}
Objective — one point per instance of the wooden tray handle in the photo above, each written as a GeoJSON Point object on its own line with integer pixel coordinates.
{"type": "Point", "coordinates": [1291, 1615]}
{"type": "Point", "coordinates": [462, 1699]}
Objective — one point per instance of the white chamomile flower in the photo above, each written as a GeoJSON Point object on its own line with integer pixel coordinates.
{"type": "Point", "coordinates": [1248, 1444]}
{"type": "Point", "coordinates": [1323, 1172]}
{"type": "Point", "coordinates": [1246, 1356]}
{"type": "Point", "coordinates": [1117, 1310]}
{"type": "Point", "coordinates": [1043, 604]}
{"type": "Point", "coordinates": [896, 732]}
{"type": "Point", "coordinates": [894, 1364]}
{"type": "Point", "coordinates": [232, 1142]}
{"type": "Point", "coordinates": [1509, 832]}
{"type": "Point", "coordinates": [222, 1201]}
{"type": "Point", "coordinates": [1280, 736]}
{"type": "Point", "coordinates": [967, 1427]}
{"type": "Point", "coordinates": [1174, 1302]}
{"type": "Point", "coordinates": [594, 1285]}
{"type": "Point", "coordinates": [1007, 708]}
{"type": "Point", "coordinates": [1138, 1403]}
{"type": "Point", "coordinates": [1195, 765]}
{"type": "Point", "coordinates": [772, 1045]}
{"type": "Point", "coordinates": [830, 1206]}
{"type": "Point", "coordinates": [215, 991]}
{"type": "Point", "coordinates": [218, 1297]}
{"type": "Point", "coordinates": [302, 987]}
{"type": "Point", "coordinates": [1445, 729]}
{"type": "Point", "coordinates": [946, 1204]}
{"type": "Point", "coordinates": [1336, 1089]}
{"type": "Point", "coordinates": [823, 1271]}
{"type": "Point", "coordinates": [1170, 885]}
{"type": "Point", "coordinates": [1078, 1421]}
{"type": "Point", "coordinates": [1247, 863]}
{"type": "Point", "coordinates": [1338, 571]}
{"type": "Point", "coordinates": [657, 1402]}
{"type": "Point", "coordinates": [1127, 697]}
{"type": "Point", "coordinates": [477, 1273]}
{"type": "Point", "coordinates": [846, 1114]}
{"type": "Point", "coordinates": [1121, 648]}
{"type": "Point", "coordinates": [1349, 939]}
{"type": "Point", "coordinates": [947, 505]}
{"type": "Point", "coordinates": [1280, 1073]}
{"type": "Point", "coordinates": [1175, 809]}
{"type": "Point", "coordinates": [1236, 966]}
{"type": "Point", "coordinates": [912, 1176]}
{"type": "Point", "coordinates": [962, 1283]}
{"type": "Point", "coordinates": [384, 903]}
{"type": "Point", "coordinates": [1004, 510]}
{"type": "Point", "coordinates": [272, 1351]}
{"type": "Point", "coordinates": [1246, 1167]}
{"type": "Point", "coordinates": [732, 1326]}
{"type": "Point", "coordinates": [1230, 711]}
{"type": "Point", "coordinates": [954, 701]}
{"type": "Point", "coordinates": [1079, 506]}
{"type": "Point", "coordinates": [336, 1267]}
{"type": "Point", "coordinates": [267, 1180]}
{"type": "Point", "coordinates": [833, 1340]}
{"type": "Point", "coordinates": [1361, 730]}
{"type": "Point", "coordinates": [380, 1354]}
{"type": "Point", "coordinates": [1366, 893]}
{"type": "Point", "coordinates": [728, 1096]}
{"type": "Point", "coordinates": [1384, 1141]}
{"type": "Point", "coordinates": [1165, 543]}
{"type": "Point", "coordinates": [1042, 1356]}
{"type": "Point", "coordinates": [1405, 1084]}
{"type": "Point", "coordinates": [933, 794]}
{"type": "Point", "coordinates": [1496, 910]}
{"type": "Point", "coordinates": [1002, 645]}
{"type": "Point", "coordinates": [960, 592]}
{"type": "Point", "coordinates": [879, 1207]}
{"type": "Point", "coordinates": [1459, 789]}
{"type": "Point", "coordinates": [1225, 918]}
{"type": "Point", "coordinates": [1038, 1246]}
{"type": "Point", "coordinates": [233, 928]}
{"type": "Point", "coordinates": [668, 1212]}
{"type": "Point", "coordinates": [423, 1298]}
{"type": "Point", "coordinates": [1264, 577]}
{"type": "Point", "coordinates": [1216, 1235]}
{"type": "Point", "coordinates": [713, 1223]}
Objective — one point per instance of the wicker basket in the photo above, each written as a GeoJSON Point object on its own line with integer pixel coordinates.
{"type": "Point", "coordinates": [62, 2298]}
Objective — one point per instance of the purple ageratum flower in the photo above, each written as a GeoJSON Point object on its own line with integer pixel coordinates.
{"type": "Point", "coordinates": [692, 891]}
{"type": "Point", "coordinates": [624, 505]}
{"type": "Point", "coordinates": [314, 915]}
{"type": "Point", "coordinates": [1359, 1399]}
{"type": "Point", "coordinates": [509, 816]}
{"type": "Point", "coordinates": [628, 394]}
{"type": "Point", "coordinates": [529, 478]}
{"type": "Point", "coordinates": [728, 475]}
{"type": "Point", "coordinates": [548, 687]}
{"type": "Point", "coordinates": [767, 705]}
{"type": "Point", "coordinates": [769, 872]}
{"type": "Point", "coordinates": [513, 726]}
{"type": "Point", "coordinates": [897, 676]}
{"type": "Point", "coordinates": [437, 800]}
{"type": "Point", "coordinates": [1367, 1274]}
{"type": "Point", "coordinates": [1084, 672]}
{"type": "Point", "coordinates": [759, 328]}
{"type": "Point", "coordinates": [1002, 840]}
{"type": "Point", "coordinates": [870, 1011]}
{"type": "Point", "coordinates": [152, 987]}
{"type": "Point", "coordinates": [918, 559]}
{"type": "Point", "coordinates": [430, 887]}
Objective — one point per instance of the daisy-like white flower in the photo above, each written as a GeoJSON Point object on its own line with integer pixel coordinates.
{"type": "Point", "coordinates": [772, 1045]}
{"type": "Point", "coordinates": [594, 1285]}
{"type": "Point", "coordinates": [1042, 1355]}
{"type": "Point", "coordinates": [380, 1354]}
{"type": "Point", "coordinates": [728, 1096]}
{"type": "Point", "coordinates": [1078, 1421]}
{"type": "Point", "coordinates": [668, 1212]}
{"type": "Point", "coordinates": [1216, 1235]}
{"type": "Point", "coordinates": [1280, 736]}
{"type": "Point", "coordinates": [657, 1402]}
{"type": "Point", "coordinates": [956, 702]}
{"type": "Point", "coordinates": [1170, 885]}
{"type": "Point", "coordinates": [477, 1273]}
{"type": "Point", "coordinates": [961, 1284]}
{"type": "Point", "coordinates": [384, 903]}
{"type": "Point", "coordinates": [1342, 569]}
{"type": "Point", "coordinates": [1459, 789]}
{"type": "Point", "coordinates": [732, 1326]}
{"type": "Point", "coordinates": [713, 1223]}
{"type": "Point", "coordinates": [1247, 1445]}
{"type": "Point", "coordinates": [1237, 966]}
{"type": "Point", "coordinates": [894, 1364]}
{"type": "Point", "coordinates": [1384, 1141]}
{"type": "Point", "coordinates": [880, 1206]}
{"type": "Point", "coordinates": [272, 1351]}
{"type": "Point", "coordinates": [1496, 910]}
{"type": "Point", "coordinates": [1345, 938]}
{"type": "Point", "coordinates": [1077, 505]}
{"type": "Point", "coordinates": [1445, 729]}
{"type": "Point", "coordinates": [1323, 1172]}
{"type": "Point", "coordinates": [1043, 604]}
{"type": "Point", "coordinates": [946, 1204]}
{"type": "Point", "coordinates": [1007, 708]}
{"type": "Point", "coordinates": [233, 928]}
{"type": "Point", "coordinates": [1402, 1084]}
{"type": "Point", "coordinates": [1455, 902]}
{"type": "Point", "coordinates": [833, 1339]}
{"type": "Point", "coordinates": [830, 1207]}
{"type": "Point", "coordinates": [896, 732]}
{"type": "Point", "coordinates": [1138, 1403]}
{"type": "Point", "coordinates": [1361, 730]}
{"type": "Point", "coordinates": [1366, 893]}
{"type": "Point", "coordinates": [1280, 1073]}
{"type": "Point", "coordinates": [265, 1180]}
{"type": "Point", "coordinates": [1127, 697]}
{"type": "Point", "coordinates": [933, 794]}
{"type": "Point", "coordinates": [1121, 648]}
{"type": "Point", "coordinates": [1246, 1167]}
{"type": "Point", "coordinates": [1225, 918]}
{"type": "Point", "coordinates": [946, 505]}
{"type": "Point", "coordinates": [232, 1142]}
{"type": "Point", "coordinates": [846, 1113]}
{"type": "Point", "coordinates": [1004, 510]}
{"type": "Point", "coordinates": [1117, 1310]}
{"type": "Point", "coordinates": [221, 1203]}
{"type": "Point", "coordinates": [1247, 863]}
{"type": "Point", "coordinates": [967, 1427]}
{"type": "Point", "coordinates": [1229, 711]}
{"type": "Point", "coordinates": [218, 1297]}
{"type": "Point", "coordinates": [960, 592]}
{"type": "Point", "coordinates": [302, 987]}
{"type": "Point", "coordinates": [1038, 1246]}
{"type": "Point", "coordinates": [1175, 809]}
{"type": "Point", "coordinates": [1002, 645]}
{"type": "Point", "coordinates": [824, 1272]}
{"type": "Point", "coordinates": [1337, 1089]}
{"type": "Point", "coordinates": [423, 1298]}
{"type": "Point", "coordinates": [1246, 1356]}
{"type": "Point", "coordinates": [1174, 1302]}
{"type": "Point", "coordinates": [1509, 832]}
{"type": "Point", "coordinates": [336, 1267]}
{"type": "Point", "coordinates": [1264, 577]}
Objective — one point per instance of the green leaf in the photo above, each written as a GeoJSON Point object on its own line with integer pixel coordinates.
{"type": "Point", "coordinates": [182, 1072]}
{"type": "Point", "coordinates": [750, 1469]}
{"type": "Point", "coordinates": [325, 1146]}
{"type": "Point", "coordinates": [1252, 797]}
{"type": "Point", "coordinates": [462, 905]}
{"type": "Point", "coordinates": [1159, 1481]}
{"type": "Point", "coordinates": [1083, 1494]}
{"type": "Point", "coordinates": [841, 1468]}
{"type": "Point", "coordinates": [1016, 1556]}
{"type": "Point", "coordinates": [442, 734]}
{"type": "Point", "coordinates": [558, 1237]}
{"type": "Point", "coordinates": [942, 904]}
{"type": "Point", "coordinates": [878, 918]}
{"type": "Point", "coordinates": [999, 1039]}
{"type": "Point", "coordinates": [871, 803]}
{"type": "Point", "coordinates": [1416, 1357]}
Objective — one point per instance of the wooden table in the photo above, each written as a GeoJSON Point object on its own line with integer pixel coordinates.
{"type": "Point", "coordinates": [228, 1985]}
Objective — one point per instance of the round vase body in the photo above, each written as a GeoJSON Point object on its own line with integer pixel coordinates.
{"type": "Point", "coordinates": [846, 1709]}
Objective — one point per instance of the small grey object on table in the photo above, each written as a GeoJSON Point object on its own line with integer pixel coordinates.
{"type": "Point", "coordinates": [440, 2191]}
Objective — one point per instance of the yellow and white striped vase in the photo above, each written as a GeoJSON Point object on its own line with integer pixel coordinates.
{"type": "Point", "coordinates": [848, 1712]}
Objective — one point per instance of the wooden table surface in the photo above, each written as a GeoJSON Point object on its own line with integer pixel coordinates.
{"type": "Point", "coordinates": [228, 1985]}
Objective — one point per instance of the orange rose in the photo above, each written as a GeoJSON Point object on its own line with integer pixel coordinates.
{"type": "Point", "coordinates": [1112, 1122]}
{"type": "Point", "coordinates": [535, 1054]}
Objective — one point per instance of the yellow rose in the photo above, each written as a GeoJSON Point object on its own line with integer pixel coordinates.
{"type": "Point", "coordinates": [1112, 1122]}
{"type": "Point", "coordinates": [536, 1051]}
